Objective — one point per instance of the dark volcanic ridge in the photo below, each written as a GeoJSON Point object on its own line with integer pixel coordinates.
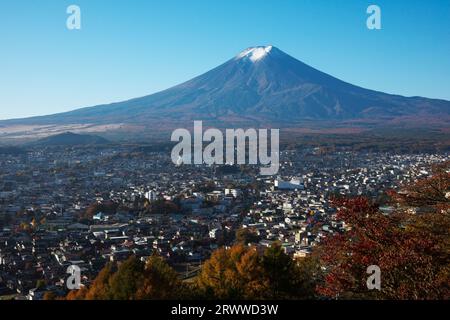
{"type": "Point", "coordinates": [70, 139]}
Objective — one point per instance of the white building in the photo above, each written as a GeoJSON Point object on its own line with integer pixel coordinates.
{"type": "Point", "coordinates": [294, 184]}
{"type": "Point", "coordinates": [234, 192]}
{"type": "Point", "coordinates": [151, 195]}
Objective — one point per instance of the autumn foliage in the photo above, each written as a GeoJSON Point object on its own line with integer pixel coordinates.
{"type": "Point", "coordinates": [411, 246]}
{"type": "Point", "coordinates": [237, 273]}
{"type": "Point", "coordinates": [133, 280]}
{"type": "Point", "coordinates": [243, 273]}
{"type": "Point", "coordinates": [411, 249]}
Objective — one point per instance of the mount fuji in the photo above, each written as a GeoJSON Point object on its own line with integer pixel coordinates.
{"type": "Point", "coordinates": [260, 85]}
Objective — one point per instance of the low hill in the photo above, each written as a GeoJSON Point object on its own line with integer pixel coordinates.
{"type": "Point", "coordinates": [70, 139]}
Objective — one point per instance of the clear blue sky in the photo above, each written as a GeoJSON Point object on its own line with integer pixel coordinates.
{"type": "Point", "coordinates": [132, 48]}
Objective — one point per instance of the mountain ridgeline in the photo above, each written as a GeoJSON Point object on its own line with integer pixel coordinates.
{"type": "Point", "coordinates": [259, 85]}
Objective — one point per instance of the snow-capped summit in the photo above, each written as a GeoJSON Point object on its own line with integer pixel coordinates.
{"type": "Point", "coordinates": [261, 85]}
{"type": "Point", "coordinates": [255, 53]}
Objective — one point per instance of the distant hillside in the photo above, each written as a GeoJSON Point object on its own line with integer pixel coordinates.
{"type": "Point", "coordinates": [8, 150]}
{"type": "Point", "coordinates": [70, 139]}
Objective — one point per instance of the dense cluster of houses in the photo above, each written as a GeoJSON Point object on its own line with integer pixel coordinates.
{"type": "Point", "coordinates": [45, 194]}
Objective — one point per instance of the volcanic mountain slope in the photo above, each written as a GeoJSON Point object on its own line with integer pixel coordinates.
{"type": "Point", "coordinates": [260, 84]}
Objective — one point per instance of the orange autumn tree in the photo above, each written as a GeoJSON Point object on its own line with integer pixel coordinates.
{"type": "Point", "coordinates": [160, 281]}
{"type": "Point", "coordinates": [242, 272]}
{"type": "Point", "coordinates": [133, 280]}
{"type": "Point", "coordinates": [101, 286]}
{"type": "Point", "coordinates": [231, 274]}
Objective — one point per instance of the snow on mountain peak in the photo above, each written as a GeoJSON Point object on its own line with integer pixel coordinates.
{"type": "Point", "coordinates": [255, 53]}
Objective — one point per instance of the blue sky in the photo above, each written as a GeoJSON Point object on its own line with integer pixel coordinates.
{"type": "Point", "coordinates": [132, 48]}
